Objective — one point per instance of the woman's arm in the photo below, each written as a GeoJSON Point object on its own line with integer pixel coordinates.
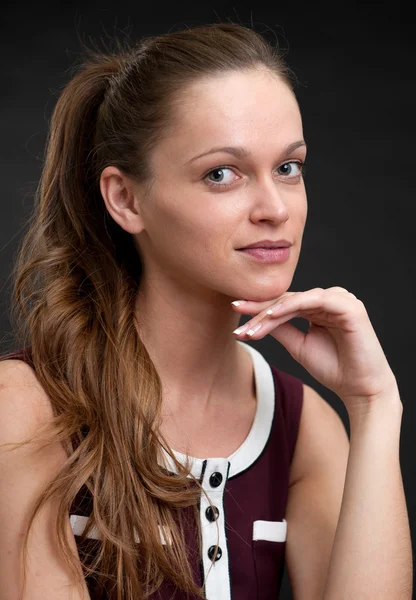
{"type": "Point", "coordinates": [371, 557]}
{"type": "Point", "coordinates": [24, 472]}
{"type": "Point", "coordinates": [372, 554]}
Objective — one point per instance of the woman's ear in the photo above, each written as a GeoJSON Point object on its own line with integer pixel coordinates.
{"type": "Point", "coordinates": [120, 197]}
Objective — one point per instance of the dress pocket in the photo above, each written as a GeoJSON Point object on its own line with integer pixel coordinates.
{"type": "Point", "coordinates": [269, 544]}
{"type": "Point", "coordinates": [79, 522]}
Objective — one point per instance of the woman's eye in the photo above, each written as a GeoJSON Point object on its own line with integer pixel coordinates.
{"type": "Point", "coordinates": [289, 167]}
{"type": "Point", "coordinates": [289, 170]}
{"type": "Point", "coordinates": [218, 180]}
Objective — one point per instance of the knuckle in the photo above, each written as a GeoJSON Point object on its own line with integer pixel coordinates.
{"type": "Point", "coordinates": [360, 307]}
{"type": "Point", "coordinates": [344, 290]}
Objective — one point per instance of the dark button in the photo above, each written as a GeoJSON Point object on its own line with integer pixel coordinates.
{"type": "Point", "coordinates": [212, 514]}
{"type": "Point", "coordinates": [211, 552]}
{"type": "Point", "coordinates": [215, 479]}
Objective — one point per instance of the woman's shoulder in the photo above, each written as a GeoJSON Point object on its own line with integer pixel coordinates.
{"type": "Point", "coordinates": [24, 404]}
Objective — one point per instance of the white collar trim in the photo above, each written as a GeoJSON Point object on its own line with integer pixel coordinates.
{"type": "Point", "coordinates": [251, 448]}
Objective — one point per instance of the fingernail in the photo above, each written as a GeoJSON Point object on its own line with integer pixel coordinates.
{"type": "Point", "coordinates": [253, 330]}
{"type": "Point", "coordinates": [238, 303]}
{"type": "Point", "coordinates": [275, 309]}
{"type": "Point", "coordinates": [240, 329]}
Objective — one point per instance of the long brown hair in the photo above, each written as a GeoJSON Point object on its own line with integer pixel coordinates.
{"type": "Point", "coordinates": [76, 278]}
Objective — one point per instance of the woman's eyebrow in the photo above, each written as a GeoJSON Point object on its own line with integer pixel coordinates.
{"type": "Point", "coordinates": [241, 152]}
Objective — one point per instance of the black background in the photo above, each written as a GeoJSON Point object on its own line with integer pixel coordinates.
{"type": "Point", "coordinates": [355, 65]}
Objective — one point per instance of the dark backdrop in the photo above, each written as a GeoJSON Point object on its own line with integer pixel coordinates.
{"type": "Point", "coordinates": [355, 64]}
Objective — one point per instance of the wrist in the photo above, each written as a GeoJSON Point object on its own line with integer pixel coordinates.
{"type": "Point", "coordinates": [386, 403]}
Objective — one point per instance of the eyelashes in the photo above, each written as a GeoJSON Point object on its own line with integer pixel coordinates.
{"type": "Point", "coordinates": [300, 164]}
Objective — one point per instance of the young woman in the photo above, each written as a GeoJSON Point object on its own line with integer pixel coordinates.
{"type": "Point", "coordinates": [168, 458]}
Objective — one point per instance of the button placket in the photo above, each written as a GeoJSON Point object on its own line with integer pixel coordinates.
{"type": "Point", "coordinates": [216, 571]}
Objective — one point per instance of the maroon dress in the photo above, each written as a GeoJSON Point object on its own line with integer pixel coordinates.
{"type": "Point", "coordinates": [249, 490]}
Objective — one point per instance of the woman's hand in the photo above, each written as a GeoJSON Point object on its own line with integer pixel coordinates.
{"type": "Point", "coordinates": [340, 349]}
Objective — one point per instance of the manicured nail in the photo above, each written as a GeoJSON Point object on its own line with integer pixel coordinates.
{"type": "Point", "coordinates": [275, 309]}
{"type": "Point", "coordinates": [240, 329]}
{"type": "Point", "coordinates": [253, 330]}
{"type": "Point", "coordinates": [238, 303]}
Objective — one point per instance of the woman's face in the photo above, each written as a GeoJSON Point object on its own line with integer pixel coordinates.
{"type": "Point", "coordinates": [200, 210]}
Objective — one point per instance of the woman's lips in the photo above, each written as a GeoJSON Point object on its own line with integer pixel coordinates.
{"type": "Point", "coordinates": [267, 255]}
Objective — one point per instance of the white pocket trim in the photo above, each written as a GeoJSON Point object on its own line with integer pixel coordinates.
{"type": "Point", "coordinates": [271, 531]}
{"type": "Point", "coordinates": [79, 522]}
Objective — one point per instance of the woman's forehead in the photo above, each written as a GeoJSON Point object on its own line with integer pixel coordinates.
{"type": "Point", "coordinates": [235, 94]}
{"type": "Point", "coordinates": [240, 109]}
